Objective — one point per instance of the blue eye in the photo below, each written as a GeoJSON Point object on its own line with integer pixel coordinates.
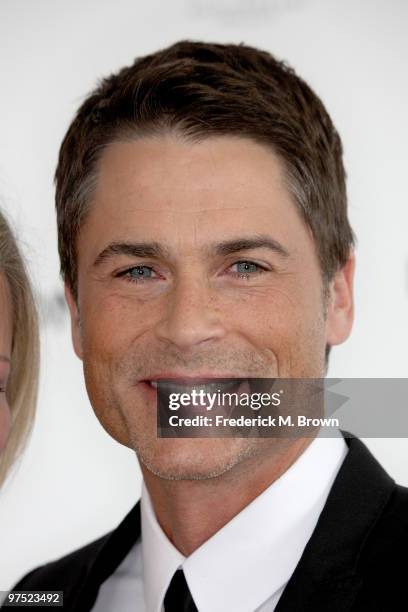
{"type": "Point", "coordinates": [137, 274]}
{"type": "Point", "coordinates": [246, 266]}
{"type": "Point", "coordinates": [246, 269]}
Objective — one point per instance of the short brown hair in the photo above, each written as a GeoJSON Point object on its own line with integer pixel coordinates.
{"type": "Point", "coordinates": [202, 90]}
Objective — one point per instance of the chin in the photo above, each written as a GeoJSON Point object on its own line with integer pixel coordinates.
{"type": "Point", "coordinates": [193, 459]}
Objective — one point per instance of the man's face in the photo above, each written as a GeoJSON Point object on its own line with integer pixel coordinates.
{"type": "Point", "coordinates": [227, 285]}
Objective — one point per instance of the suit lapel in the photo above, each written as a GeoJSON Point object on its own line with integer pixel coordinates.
{"type": "Point", "coordinates": [109, 554]}
{"type": "Point", "coordinates": [326, 576]}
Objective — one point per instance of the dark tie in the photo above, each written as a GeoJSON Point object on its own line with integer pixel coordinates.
{"type": "Point", "coordinates": [178, 597]}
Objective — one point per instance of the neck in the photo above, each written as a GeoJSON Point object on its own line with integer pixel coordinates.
{"type": "Point", "coordinates": [191, 511]}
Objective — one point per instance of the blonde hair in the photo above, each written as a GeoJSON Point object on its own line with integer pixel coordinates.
{"type": "Point", "coordinates": [22, 386]}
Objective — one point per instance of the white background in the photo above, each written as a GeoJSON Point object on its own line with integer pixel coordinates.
{"type": "Point", "coordinates": [74, 482]}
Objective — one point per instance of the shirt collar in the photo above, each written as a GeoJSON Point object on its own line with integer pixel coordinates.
{"type": "Point", "coordinates": [160, 557]}
{"type": "Point", "coordinates": [255, 553]}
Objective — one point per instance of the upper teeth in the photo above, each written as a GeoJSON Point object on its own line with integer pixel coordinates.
{"type": "Point", "coordinates": [186, 387]}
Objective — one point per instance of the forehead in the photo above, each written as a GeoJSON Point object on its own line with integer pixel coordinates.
{"type": "Point", "coordinates": [166, 162]}
{"type": "Point", "coordinates": [215, 171]}
{"type": "Point", "coordinates": [174, 190]}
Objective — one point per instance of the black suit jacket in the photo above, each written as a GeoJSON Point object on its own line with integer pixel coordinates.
{"type": "Point", "coordinates": [356, 559]}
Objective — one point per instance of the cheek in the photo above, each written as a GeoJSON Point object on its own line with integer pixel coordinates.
{"type": "Point", "coordinates": [5, 421]}
{"type": "Point", "coordinates": [287, 325]}
{"type": "Point", "coordinates": [115, 338]}
{"type": "Point", "coordinates": [267, 314]}
{"type": "Point", "coordinates": [114, 324]}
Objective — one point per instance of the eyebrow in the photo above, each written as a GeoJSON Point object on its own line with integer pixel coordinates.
{"type": "Point", "coordinates": [157, 250]}
{"type": "Point", "coordinates": [132, 249]}
{"type": "Point", "coordinates": [246, 243]}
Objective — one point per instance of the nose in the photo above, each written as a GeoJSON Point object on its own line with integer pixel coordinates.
{"type": "Point", "coordinates": [191, 315]}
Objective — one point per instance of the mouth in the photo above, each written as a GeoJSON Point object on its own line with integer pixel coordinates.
{"type": "Point", "coordinates": [194, 395]}
{"type": "Point", "coordinates": [187, 385]}
{"type": "Point", "coordinates": [207, 385]}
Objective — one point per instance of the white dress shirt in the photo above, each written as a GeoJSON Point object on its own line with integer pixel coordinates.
{"type": "Point", "coordinates": [246, 565]}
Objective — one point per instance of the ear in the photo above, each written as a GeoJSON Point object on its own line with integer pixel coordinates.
{"type": "Point", "coordinates": [75, 321]}
{"type": "Point", "coordinates": [340, 307]}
